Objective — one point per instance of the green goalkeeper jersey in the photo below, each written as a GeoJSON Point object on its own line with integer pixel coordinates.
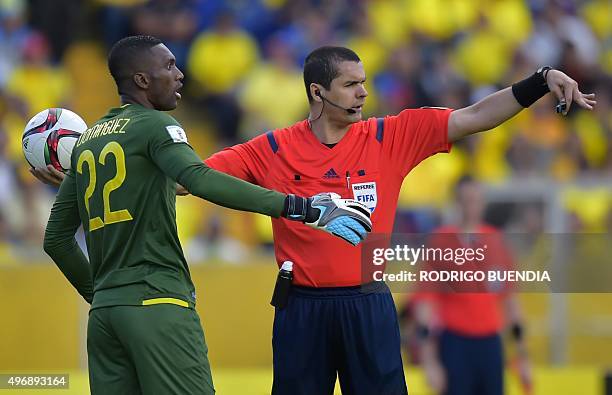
{"type": "Point", "coordinates": [122, 188]}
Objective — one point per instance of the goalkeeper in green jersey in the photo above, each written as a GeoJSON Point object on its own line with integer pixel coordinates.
{"type": "Point", "coordinates": [144, 335]}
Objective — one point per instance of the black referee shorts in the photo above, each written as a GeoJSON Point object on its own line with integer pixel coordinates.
{"type": "Point", "coordinates": [351, 332]}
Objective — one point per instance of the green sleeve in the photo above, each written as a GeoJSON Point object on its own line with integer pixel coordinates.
{"type": "Point", "coordinates": [176, 159]}
{"type": "Point", "coordinates": [60, 243]}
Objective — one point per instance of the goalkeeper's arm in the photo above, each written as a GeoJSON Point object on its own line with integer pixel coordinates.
{"type": "Point", "coordinates": [333, 215]}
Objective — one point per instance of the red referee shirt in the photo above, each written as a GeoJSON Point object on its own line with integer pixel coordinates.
{"type": "Point", "coordinates": [477, 313]}
{"type": "Point", "coordinates": [376, 154]}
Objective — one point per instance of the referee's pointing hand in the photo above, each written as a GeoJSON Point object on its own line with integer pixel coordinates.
{"type": "Point", "coordinates": [566, 90]}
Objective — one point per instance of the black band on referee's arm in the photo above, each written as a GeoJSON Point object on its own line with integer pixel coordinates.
{"type": "Point", "coordinates": [531, 89]}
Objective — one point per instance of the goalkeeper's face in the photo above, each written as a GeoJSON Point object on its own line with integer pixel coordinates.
{"type": "Point", "coordinates": [165, 79]}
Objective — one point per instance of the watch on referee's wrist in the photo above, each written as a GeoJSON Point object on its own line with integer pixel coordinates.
{"type": "Point", "coordinates": [543, 71]}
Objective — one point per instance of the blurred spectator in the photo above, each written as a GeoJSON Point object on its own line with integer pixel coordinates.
{"type": "Point", "coordinates": [261, 18]}
{"type": "Point", "coordinates": [218, 61]}
{"type": "Point", "coordinates": [208, 11]}
{"type": "Point", "coordinates": [310, 28]}
{"type": "Point", "coordinates": [483, 70]}
{"type": "Point", "coordinates": [219, 58]}
{"type": "Point", "coordinates": [22, 207]}
{"type": "Point", "coordinates": [36, 81]}
{"type": "Point", "coordinates": [441, 83]}
{"type": "Point", "coordinates": [372, 52]}
{"type": "Point", "coordinates": [400, 85]}
{"type": "Point", "coordinates": [9, 189]}
{"type": "Point", "coordinates": [275, 84]}
{"type": "Point", "coordinates": [114, 18]}
{"type": "Point", "coordinates": [511, 19]}
{"type": "Point", "coordinates": [576, 34]}
{"type": "Point", "coordinates": [13, 35]}
{"type": "Point", "coordinates": [388, 21]}
{"type": "Point", "coordinates": [441, 19]}
{"type": "Point", "coordinates": [61, 21]}
{"type": "Point", "coordinates": [558, 28]}
{"type": "Point", "coordinates": [172, 21]}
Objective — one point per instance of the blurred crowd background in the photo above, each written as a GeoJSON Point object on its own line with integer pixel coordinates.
{"type": "Point", "coordinates": [242, 60]}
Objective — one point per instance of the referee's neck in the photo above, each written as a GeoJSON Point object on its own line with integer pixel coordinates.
{"type": "Point", "coordinates": [328, 132]}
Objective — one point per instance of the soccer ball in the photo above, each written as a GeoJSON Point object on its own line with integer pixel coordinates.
{"type": "Point", "coordinates": [49, 137]}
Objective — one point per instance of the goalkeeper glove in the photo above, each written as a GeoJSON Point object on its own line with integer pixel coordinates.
{"type": "Point", "coordinates": [344, 218]}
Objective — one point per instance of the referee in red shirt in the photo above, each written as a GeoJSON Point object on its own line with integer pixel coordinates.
{"type": "Point", "coordinates": [332, 326]}
{"type": "Point", "coordinates": [459, 327]}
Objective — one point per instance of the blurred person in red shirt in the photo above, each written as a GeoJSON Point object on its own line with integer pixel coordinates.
{"type": "Point", "coordinates": [459, 325]}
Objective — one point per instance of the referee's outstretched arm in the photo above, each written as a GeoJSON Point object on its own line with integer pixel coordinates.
{"type": "Point", "coordinates": [500, 106]}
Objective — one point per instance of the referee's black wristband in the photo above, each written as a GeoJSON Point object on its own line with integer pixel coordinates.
{"type": "Point", "coordinates": [531, 89]}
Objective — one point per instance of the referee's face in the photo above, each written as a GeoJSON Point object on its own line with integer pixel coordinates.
{"type": "Point", "coordinates": [348, 91]}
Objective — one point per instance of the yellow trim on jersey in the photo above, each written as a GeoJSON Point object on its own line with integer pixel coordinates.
{"type": "Point", "coordinates": [178, 302]}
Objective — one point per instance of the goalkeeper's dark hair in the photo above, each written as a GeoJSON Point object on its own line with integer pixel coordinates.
{"type": "Point", "coordinates": [321, 66]}
{"type": "Point", "coordinates": [125, 57]}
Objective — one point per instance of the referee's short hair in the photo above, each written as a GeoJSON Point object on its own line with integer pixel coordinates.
{"type": "Point", "coordinates": [321, 66]}
{"type": "Point", "coordinates": [125, 57]}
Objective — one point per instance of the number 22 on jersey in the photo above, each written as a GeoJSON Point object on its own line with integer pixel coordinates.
{"type": "Point", "coordinates": [110, 217]}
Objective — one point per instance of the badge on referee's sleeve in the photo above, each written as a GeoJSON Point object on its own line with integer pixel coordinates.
{"type": "Point", "coordinates": [365, 192]}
